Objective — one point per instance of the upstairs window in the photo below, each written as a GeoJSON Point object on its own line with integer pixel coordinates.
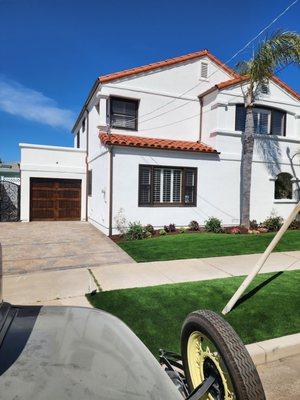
{"type": "Point", "coordinates": [283, 186]}
{"type": "Point", "coordinates": [267, 121]}
{"type": "Point", "coordinates": [124, 113]}
{"type": "Point", "coordinates": [204, 70]}
{"type": "Point", "coordinates": [83, 125]}
{"type": "Point", "coordinates": [169, 186]}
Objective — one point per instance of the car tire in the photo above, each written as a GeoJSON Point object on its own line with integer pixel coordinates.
{"type": "Point", "coordinates": [227, 358]}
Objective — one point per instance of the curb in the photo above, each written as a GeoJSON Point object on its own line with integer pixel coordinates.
{"type": "Point", "coordinates": [274, 349]}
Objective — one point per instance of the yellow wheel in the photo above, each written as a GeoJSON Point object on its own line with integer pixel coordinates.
{"type": "Point", "coordinates": [211, 349]}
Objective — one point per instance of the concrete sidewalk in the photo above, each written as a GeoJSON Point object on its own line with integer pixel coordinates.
{"type": "Point", "coordinates": [123, 276]}
{"type": "Point", "coordinates": [68, 287]}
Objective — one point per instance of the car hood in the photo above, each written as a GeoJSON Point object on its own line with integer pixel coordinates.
{"type": "Point", "coordinates": [79, 354]}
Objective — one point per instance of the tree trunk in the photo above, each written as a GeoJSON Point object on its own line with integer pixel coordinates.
{"type": "Point", "coordinates": [246, 167]}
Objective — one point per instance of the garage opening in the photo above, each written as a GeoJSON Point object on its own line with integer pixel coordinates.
{"type": "Point", "coordinates": [55, 199]}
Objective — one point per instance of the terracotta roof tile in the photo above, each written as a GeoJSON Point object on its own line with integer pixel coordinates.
{"type": "Point", "coordinates": [165, 63]}
{"type": "Point", "coordinates": [235, 81]}
{"type": "Point", "coordinates": [154, 143]}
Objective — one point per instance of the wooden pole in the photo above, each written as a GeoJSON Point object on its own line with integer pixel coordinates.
{"type": "Point", "coordinates": [261, 260]}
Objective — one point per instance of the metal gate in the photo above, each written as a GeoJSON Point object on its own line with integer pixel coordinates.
{"type": "Point", "coordinates": [9, 201]}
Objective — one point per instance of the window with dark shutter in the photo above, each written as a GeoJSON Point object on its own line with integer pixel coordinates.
{"type": "Point", "coordinates": [123, 113]}
{"type": "Point", "coordinates": [145, 185]}
{"type": "Point", "coordinates": [164, 186]}
{"type": "Point", "coordinates": [240, 117]}
{"type": "Point", "coordinates": [90, 182]}
{"type": "Point", "coordinates": [283, 186]}
{"type": "Point", "coordinates": [267, 120]}
{"type": "Point", "coordinates": [278, 123]}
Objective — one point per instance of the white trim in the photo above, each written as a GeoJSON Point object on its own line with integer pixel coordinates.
{"type": "Point", "coordinates": [226, 132]}
{"type": "Point", "coordinates": [283, 201]}
{"type": "Point", "coordinates": [57, 148]}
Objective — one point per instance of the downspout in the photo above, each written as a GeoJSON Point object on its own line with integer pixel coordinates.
{"type": "Point", "coordinates": [86, 163]}
{"type": "Point", "coordinates": [201, 114]}
{"type": "Point", "coordinates": [110, 207]}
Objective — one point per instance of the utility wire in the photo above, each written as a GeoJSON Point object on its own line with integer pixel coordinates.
{"type": "Point", "coordinates": [223, 64]}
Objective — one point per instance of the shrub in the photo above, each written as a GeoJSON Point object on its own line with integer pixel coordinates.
{"type": "Point", "coordinates": [213, 225]}
{"type": "Point", "coordinates": [166, 228]}
{"type": "Point", "coordinates": [253, 224]}
{"type": "Point", "coordinates": [120, 221]}
{"type": "Point", "coordinates": [182, 230]}
{"type": "Point", "coordinates": [295, 224]}
{"type": "Point", "coordinates": [273, 223]}
{"type": "Point", "coordinates": [162, 232]}
{"type": "Point", "coordinates": [172, 228]}
{"type": "Point", "coordinates": [194, 226]}
{"type": "Point", "coordinates": [149, 228]}
{"type": "Point", "coordinates": [148, 234]}
{"type": "Point", "coordinates": [135, 231]}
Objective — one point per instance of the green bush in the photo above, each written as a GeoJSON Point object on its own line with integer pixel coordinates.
{"type": "Point", "coordinates": [135, 231]}
{"type": "Point", "coordinates": [213, 225]}
{"type": "Point", "coordinates": [194, 226]}
{"type": "Point", "coordinates": [273, 223]}
{"type": "Point", "coordinates": [253, 224]}
{"type": "Point", "coordinates": [162, 232]}
{"type": "Point", "coordinates": [149, 228]}
{"type": "Point", "coordinates": [182, 230]}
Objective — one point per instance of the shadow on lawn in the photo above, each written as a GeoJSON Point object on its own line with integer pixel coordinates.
{"type": "Point", "coordinates": [252, 292]}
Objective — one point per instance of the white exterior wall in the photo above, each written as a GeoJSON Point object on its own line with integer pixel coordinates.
{"type": "Point", "coordinates": [50, 162]}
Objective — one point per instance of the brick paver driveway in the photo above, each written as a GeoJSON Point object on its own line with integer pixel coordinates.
{"type": "Point", "coordinates": [37, 246]}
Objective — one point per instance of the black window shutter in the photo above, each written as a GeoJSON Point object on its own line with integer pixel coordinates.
{"type": "Point", "coordinates": [145, 185]}
{"type": "Point", "coordinates": [240, 117]}
{"type": "Point", "coordinates": [190, 186]}
{"type": "Point", "coordinates": [278, 122]}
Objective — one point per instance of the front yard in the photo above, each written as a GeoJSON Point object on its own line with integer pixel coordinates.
{"type": "Point", "coordinates": [199, 245]}
{"type": "Point", "coordinates": [156, 313]}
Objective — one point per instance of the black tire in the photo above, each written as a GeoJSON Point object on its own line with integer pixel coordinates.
{"type": "Point", "coordinates": [231, 350]}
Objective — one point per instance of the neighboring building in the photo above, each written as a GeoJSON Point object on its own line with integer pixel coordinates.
{"type": "Point", "coordinates": [10, 172]}
{"type": "Point", "coordinates": [161, 144]}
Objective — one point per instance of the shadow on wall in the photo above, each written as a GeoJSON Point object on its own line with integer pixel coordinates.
{"type": "Point", "coordinates": [270, 152]}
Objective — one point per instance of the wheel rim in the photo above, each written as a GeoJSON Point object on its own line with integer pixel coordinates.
{"type": "Point", "coordinates": [204, 359]}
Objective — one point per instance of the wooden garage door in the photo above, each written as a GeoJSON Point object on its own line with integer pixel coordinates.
{"type": "Point", "coordinates": [55, 199]}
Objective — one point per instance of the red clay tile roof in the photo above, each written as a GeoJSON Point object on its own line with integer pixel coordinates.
{"type": "Point", "coordinates": [154, 143]}
{"type": "Point", "coordinates": [165, 63]}
{"type": "Point", "coordinates": [240, 79]}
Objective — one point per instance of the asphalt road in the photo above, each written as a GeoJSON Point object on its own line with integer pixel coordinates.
{"type": "Point", "coordinates": [281, 379]}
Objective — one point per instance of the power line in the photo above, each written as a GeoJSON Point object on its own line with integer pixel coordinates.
{"type": "Point", "coordinates": [223, 64]}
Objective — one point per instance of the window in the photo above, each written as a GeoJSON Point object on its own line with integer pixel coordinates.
{"type": "Point", "coordinates": [267, 121]}
{"type": "Point", "coordinates": [83, 125]}
{"type": "Point", "coordinates": [89, 182]}
{"type": "Point", "coordinates": [204, 70]}
{"type": "Point", "coordinates": [78, 139]}
{"type": "Point", "coordinates": [169, 186]}
{"type": "Point", "coordinates": [123, 113]}
{"type": "Point", "coordinates": [283, 186]}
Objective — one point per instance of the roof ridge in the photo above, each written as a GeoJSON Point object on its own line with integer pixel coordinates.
{"type": "Point", "coordinates": [165, 63]}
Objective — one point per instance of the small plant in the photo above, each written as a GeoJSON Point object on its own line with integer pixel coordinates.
{"type": "Point", "coordinates": [120, 221]}
{"type": "Point", "coordinates": [273, 223]}
{"type": "Point", "coordinates": [148, 234]}
{"type": "Point", "coordinates": [194, 226]}
{"type": "Point", "coordinates": [135, 231]}
{"type": "Point", "coordinates": [149, 228]}
{"type": "Point", "coordinates": [295, 224]}
{"type": "Point", "coordinates": [213, 225]}
{"type": "Point", "coordinates": [253, 224]}
{"type": "Point", "coordinates": [172, 228]}
{"type": "Point", "coordinates": [234, 230]}
{"type": "Point", "coordinates": [182, 230]}
{"type": "Point", "coordinates": [162, 232]}
{"type": "Point", "coordinates": [166, 228]}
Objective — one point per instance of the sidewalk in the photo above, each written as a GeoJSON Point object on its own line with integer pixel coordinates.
{"type": "Point", "coordinates": [123, 276]}
{"type": "Point", "coordinates": [68, 287]}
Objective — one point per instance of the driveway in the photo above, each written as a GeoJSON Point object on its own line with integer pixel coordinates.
{"type": "Point", "coordinates": [45, 246]}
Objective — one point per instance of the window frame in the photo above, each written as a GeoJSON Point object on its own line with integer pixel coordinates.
{"type": "Point", "coordinates": [128, 99]}
{"type": "Point", "coordinates": [183, 186]}
{"type": "Point", "coordinates": [266, 108]}
{"type": "Point", "coordinates": [291, 187]}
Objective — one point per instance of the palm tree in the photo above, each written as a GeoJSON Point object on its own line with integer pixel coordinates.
{"type": "Point", "coordinates": [276, 52]}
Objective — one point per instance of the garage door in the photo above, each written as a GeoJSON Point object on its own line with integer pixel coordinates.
{"type": "Point", "coordinates": [55, 199]}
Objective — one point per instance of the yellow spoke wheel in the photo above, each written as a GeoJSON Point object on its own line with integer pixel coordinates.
{"type": "Point", "coordinates": [210, 347]}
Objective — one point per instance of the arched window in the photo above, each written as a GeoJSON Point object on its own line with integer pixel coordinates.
{"type": "Point", "coordinates": [283, 186]}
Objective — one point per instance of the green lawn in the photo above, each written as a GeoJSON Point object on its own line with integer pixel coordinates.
{"type": "Point", "coordinates": [199, 245]}
{"type": "Point", "coordinates": [156, 313]}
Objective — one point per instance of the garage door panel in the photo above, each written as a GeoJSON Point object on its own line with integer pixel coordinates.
{"type": "Point", "coordinates": [55, 199]}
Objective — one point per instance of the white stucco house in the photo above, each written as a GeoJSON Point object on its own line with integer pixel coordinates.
{"type": "Point", "coordinates": [162, 143]}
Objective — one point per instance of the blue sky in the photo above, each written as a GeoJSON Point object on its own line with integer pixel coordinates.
{"type": "Point", "coordinates": [51, 51]}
